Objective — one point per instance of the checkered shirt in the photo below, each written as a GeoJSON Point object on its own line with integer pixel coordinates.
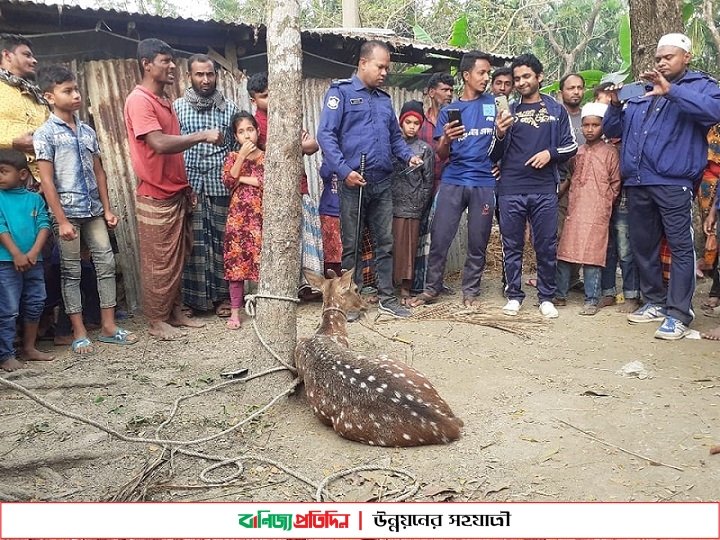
{"type": "Point", "coordinates": [204, 161]}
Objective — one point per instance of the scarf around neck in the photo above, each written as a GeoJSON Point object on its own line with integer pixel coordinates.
{"type": "Point", "coordinates": [200, 103]}
{"type": "Point", "coordinates": [25, 86]}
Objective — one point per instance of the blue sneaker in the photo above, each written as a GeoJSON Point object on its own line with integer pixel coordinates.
{"type": "Point", "coordinates": [672, 329]}
{"type": "Point", "coordinates": [647, 313]}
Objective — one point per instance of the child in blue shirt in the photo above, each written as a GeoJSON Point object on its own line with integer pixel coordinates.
{"type": "Point", "coordinates": [24, 228]}
{"type": "Point", "coordinates": [75, 187]}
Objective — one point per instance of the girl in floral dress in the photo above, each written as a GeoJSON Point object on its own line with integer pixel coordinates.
{"type": "Point", "coordinates": [243, 176]}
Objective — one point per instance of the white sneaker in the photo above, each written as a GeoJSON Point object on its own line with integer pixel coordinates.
{"type": "Point", "coordinates": [548, 310]}
{"type": "Point", "coordinates": [511, 308]}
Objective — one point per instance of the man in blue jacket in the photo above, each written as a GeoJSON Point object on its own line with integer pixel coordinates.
{"type": "Point", "coordinates": [664, 152]}
{"type": "Point", "coordinates": [358, 118]}
{"type": "Point", "coordinates": [531, 141]}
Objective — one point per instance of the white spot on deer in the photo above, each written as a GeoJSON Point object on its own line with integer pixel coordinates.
{"type": "Point", "coordinates": [352, 380]}
{"type": "Point", "coordinates": [376, 424]}
{"type": "Point", "coordinates": [379, 389]}
{"type": "Point", "coordinates": [371, 443]}
{"type": "Point", "coordinates": [371, 416]}
{"type": "Point", "coordinates": [426, 385]}
{"type": "Point", "coordinates": [384, 386]}
{"type": "Point", "coordinates": [347, 366]}
{"type": "Point", "coordinates": [357, 371]}
{"type": "Point", "coordinates": [348, 425]}
{"type": "Point", "coordinates": [413, 413]}
{"type": "Point", "coordinates": [395, 400]}
{"type": "Point", "coordinates": [371, 378]}
{"type": "Point", "coordinates": [363, 385]}
{"type": "Point", "coordinates": [397, 394]}
{"type": "Point", "coordinates": [406, 436]}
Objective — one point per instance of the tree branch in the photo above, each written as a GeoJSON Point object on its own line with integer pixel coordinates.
{"type": "Point", "coordinates": [589, 27]}
{"type": "Point", "coordinates": [510, 24]}
{"type": "Point", "coordinates": [710, 21]}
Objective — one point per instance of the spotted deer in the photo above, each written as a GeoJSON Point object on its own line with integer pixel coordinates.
{"type": "Point", "coordinates": [374, 400]}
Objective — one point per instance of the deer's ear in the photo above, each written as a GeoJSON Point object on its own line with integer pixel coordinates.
{"type": "Point", "coordinates": [346, 278]}
{"type": "Point", "coordinates": [316, 280]}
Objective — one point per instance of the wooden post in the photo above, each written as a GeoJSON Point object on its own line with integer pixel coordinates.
{"type": "Point", "coordinates": [281, 246]}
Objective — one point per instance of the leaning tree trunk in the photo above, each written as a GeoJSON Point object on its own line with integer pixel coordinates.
{"type": "Point", "coordinates": [650, 20]}
{"type": "Point", "coordinates": [280, 261]}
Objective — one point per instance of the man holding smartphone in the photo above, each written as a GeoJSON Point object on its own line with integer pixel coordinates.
{"type": "Point", "coordinates": [531, 141]}
{"type": "Point", "coordinates": [664, 152]}
{"type": "Point", "coordinates": [463, 133]}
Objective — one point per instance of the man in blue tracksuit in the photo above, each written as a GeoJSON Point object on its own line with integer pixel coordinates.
{"type": "Point", "coordinates": [663, 155]}
{"type": "Point", "coordinates": [358, 118]}
{"type": "Point", "coordinates": [531, 142]}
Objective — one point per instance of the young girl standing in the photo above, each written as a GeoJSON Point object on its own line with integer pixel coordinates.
{"type": "Point", "coordinates": [244, 176]}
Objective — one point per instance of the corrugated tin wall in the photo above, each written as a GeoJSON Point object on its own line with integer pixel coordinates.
{"type": "Point", "coordinates": [108, 83]}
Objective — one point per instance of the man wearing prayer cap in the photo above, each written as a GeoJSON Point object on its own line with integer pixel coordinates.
{"type": "Point", "coordinates": [664, 151]}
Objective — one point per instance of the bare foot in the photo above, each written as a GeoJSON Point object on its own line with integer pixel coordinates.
{"type": "Point", "coordinates": [185, 321]}
{"type": "Point", "coordinates": [11, 364]}
{"type": "Point", "coordinates": [36, 356]}
{"type": "Point", "coordinates": [713, 334]}
{"type": "Point", "coordinates": [711, 302]}
{"type": "Point", "coordinates": [63, 340]}
{"type": "Point", "coordinates": [629, 306]}
{"type": "Point", "coordinates": [165, 332]}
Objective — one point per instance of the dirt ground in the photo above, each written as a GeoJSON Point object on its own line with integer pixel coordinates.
{"type": "Point", "coordinates": [547, 416]}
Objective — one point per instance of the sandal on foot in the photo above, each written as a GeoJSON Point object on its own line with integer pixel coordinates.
{"type": "Point", "coordinates": [422, 299]}
{"type": "Point", "coordinates": [223, 310]}
{"type": "Point", "coordinates": [589, 309]}
{"type": "Point", "coordinates": [711, 302]}
{"type": "Point", "coordinates": [83, 343]}
{"type": "Point", "coordinates": [712, 312]}
{"type": "Point", "coordinates": [471, 301]}
{"type": "Point", "coordinates": [121, 337]}
{"type": "Point", "coordinates": [607, 301]}
{"type": "Point", "coordinates": [233, 323]}
{"type": "Point", "coordinates": [531, 282]}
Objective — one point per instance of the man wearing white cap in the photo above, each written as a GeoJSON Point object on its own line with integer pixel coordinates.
{"type": "Point", "coordinates": [664, 151]}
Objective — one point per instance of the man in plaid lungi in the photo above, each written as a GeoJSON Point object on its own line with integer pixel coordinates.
{"type": "Point", "coordinates": [204, 107]}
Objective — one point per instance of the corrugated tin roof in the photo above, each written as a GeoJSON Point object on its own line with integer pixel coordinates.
{"type": "Point", "coordinates": [36, 18]}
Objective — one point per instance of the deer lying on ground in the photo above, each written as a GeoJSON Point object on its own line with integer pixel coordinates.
{"type": "Point", "coordinates": [378, 401]}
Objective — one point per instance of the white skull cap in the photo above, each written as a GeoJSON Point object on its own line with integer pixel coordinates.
{"type": "Point", "coordinates": [593, 109]}
{"type": "Point", "coordinates": [676, 40]}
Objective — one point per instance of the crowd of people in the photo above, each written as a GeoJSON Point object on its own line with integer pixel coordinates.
{"type": "Point", "coordinates": [589, 185]}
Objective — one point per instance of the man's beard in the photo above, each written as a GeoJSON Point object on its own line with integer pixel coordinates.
{"type": "Point", "coordinates": [204, 93]}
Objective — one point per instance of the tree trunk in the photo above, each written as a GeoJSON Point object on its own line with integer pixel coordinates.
{"type": "Point", "coordinates": [649, 21]}
{"type": "Point", "coordinates": [281, 246]}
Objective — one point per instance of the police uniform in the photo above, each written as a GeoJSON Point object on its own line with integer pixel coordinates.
{"type": "Point", "coordinates": [357, 120]}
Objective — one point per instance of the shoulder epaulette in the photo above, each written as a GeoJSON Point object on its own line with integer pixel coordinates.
{"type": "Point", "coordinates": [340, 82]}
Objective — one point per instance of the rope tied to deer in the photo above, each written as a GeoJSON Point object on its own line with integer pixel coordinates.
{"type": "Point", "coordinates": [173, 446]}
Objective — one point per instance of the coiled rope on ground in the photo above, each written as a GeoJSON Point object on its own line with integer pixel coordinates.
{"type": "Point", "coordinates": [238, 462]}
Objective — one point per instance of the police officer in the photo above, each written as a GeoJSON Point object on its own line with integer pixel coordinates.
{"type": "Point", "coordinates": [357, 119]}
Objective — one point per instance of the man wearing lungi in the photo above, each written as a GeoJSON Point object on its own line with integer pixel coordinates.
{"type": "Point", "coordinates": [164, 198]}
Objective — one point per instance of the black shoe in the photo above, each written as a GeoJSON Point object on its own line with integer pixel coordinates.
{"type": "Point", "coordinates": [353, 316]}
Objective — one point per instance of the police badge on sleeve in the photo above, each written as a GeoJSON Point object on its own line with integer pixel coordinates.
{"type": "Point", "coordinates": [333, 102]}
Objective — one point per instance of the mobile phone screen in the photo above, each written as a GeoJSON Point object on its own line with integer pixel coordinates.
{"type": "Point", "coordinates": [631, 90]}
{"type": "Point", "coordinates": [454, 114]}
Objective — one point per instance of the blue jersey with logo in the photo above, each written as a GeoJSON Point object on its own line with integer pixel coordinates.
{"type": "Point", "coordinates": [357, 120]}
{"type": "Point", "coordinates": [470, 163]}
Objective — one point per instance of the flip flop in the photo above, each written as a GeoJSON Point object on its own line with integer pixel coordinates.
{"type": "Point", "coordinates": [119, 338]}
{"type": "Point", "coordinates": [223, 310]}
{"type": "Point", "coordinates": [233, 323]}
{"type": "Point", "coordinates": [712, 312]}
{"type": "Point", "coordinates": [422, 299]}
{"type": "Point", "coordinates": [82, 343]}
{"type": "Point", "coordinates": [531, 282]}
{"type": "Point", "coordinates": [710, 304]}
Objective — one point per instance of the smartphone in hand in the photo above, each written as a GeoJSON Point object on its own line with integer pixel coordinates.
{"type": "Point", "coordinates": [453, 115]}
{"type": "Point", "coordinates": [632, 90]}
{"type": "Point", "coordinates": [501, 103]}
